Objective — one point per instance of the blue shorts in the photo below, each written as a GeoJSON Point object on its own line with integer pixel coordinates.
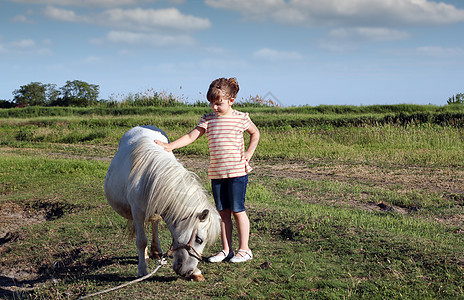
{"type": "Point", "coordinates": [229, 193]}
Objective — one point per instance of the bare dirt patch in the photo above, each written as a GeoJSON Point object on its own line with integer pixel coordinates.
{"type": "Point", "coordinates": [19, 277]}
{"type": "Point", "coordinates": [445, 181]}
{"type": "Point", "coordinates": [13, 217]}
{"type": "Point", "coordinates": [441, 180]}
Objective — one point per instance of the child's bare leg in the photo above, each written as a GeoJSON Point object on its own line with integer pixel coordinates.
{"type": "Point", "coordinates": [226, 230]}
{"type": "Point", "coordinates": [243, 228]}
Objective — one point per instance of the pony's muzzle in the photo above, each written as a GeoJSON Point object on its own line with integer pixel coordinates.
{"type": "Point", "coordinates": [184, 273]}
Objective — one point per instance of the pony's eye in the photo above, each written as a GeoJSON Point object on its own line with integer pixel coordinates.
{"type": "Point", "coordinates": [198, 240]}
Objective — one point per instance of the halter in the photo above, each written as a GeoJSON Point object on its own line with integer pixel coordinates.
{"type": "Point", "coordinates": [187, 247]}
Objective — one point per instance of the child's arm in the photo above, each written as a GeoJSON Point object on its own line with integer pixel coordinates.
{"type": "Point", "coordinates": [183, 140]}
{"type": "Point", "coordinates": [254, 139]}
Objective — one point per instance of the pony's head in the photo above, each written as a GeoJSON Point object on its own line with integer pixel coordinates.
{"type": "Point", "coordinates": [190, 237]}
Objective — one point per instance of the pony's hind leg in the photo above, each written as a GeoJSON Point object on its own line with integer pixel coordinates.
{"type": "Point", "coordinates": [141, 243]}
{"type": "Point", "coordinates": [155, 249]}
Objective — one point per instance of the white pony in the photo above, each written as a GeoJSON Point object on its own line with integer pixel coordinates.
{"type": "Point", "coordinates": [145, 183]}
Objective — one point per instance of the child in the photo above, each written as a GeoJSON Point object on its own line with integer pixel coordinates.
{"type": "Point", "coordinates": [229, 166]}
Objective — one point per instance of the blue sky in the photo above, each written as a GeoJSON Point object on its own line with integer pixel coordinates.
{"type": "Point", "coordinates": [303, 52]}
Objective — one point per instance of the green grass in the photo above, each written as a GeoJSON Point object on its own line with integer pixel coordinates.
{"type": "Point", "coordinates": [37, 111]}
{"type": "Point", "coordinates": [302, 249]}
{"type": "Point", "coordinates": [429, 144]}
{"type": "Point", "coordinates": [336, 212]}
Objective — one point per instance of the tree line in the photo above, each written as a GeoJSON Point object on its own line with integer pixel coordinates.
{"type": "Point", "coordinates": [73, 93]}
{"type": "Point", "coordinates": [79, 93]}
{"type": "Point", "coordinates": [457, 99]}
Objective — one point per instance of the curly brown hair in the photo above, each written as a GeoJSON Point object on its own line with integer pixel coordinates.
{"type": "Point", "coordinates": [222, 88]}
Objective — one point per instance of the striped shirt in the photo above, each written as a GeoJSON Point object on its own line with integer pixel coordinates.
{"type": "Point", "coordinates": [226, 144]}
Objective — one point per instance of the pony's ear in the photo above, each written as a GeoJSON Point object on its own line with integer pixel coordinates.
{"type": "Point", "coordinates": [203, 215]}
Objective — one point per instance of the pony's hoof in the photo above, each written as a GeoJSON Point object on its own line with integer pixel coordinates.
{"type": "Point", "coordinates": [142, 274]}
{"type": "Point", "coordinates": [198, 277]}
{"type": "Point", "coordinates": [157, 255]}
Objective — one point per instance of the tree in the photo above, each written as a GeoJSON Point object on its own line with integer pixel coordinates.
{"type": "Point", "coordinates": [73, 93]}
{"type": "Point", "coordinates": [6, 104]}
{"type": "Point", "coordinates": [79, 93]}
{"type": "Point", "coordinates": [36, 93]}
{"type": "Point", "coordinates": [458, 99]}
{"type": "Point", "coordinates": [31, 94]}
{"type": "Point", "coordinates": [53, 94]}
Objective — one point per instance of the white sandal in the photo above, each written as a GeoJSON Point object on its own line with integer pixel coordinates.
{"type": "Point", "coordinates": [218, 257]}
{"type": "Point", "coordinates": [241, 258]}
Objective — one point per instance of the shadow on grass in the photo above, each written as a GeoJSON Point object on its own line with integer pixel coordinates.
{"type": "Point", "coordinates": [13, 287]}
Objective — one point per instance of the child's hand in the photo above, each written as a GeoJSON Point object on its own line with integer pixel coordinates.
{"type": "Point", "coordinates": [165, 146]}
{"type": "Point", "coordinates": [248, 156]}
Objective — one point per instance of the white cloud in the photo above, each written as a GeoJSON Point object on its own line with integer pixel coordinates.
{"type": "Point", "coordinates": [47, 42]}
{"type": "Point", "coordinates": [148, 27]}
{"type": "Point", "coordinates": [63, 15]}
{"type": "Point", "coordinates": [91, 60]}
{"type": "Point", "coordinates": [358, 13]}
{"type": "Point", "coordinates": [428, 51]}
{"type": "Point", "coordinates": [146, 39]}
{"type": "Point", "coordinates": [87, 3]}
{"type": "Point", "coordinates": [341, 40]}
{"type": "Point", "coordinates": [337, 46]}
{"type": "Point", "coordinates": [21, 19]}
{"type": "Point", "coordinates": [275, 55]}
{"type": "Point", "coordinates": [258, 9]}
{"type": "Point", "coordinates": [137, 19]}
{"type": "Point", "coordinates": [216, 50]}
{"type": "Point", "coordinates": [369, 34]}
{"type": "Point", "coordinates": [440, 51]}
{"type": "Point", "coordinates": [149, 19]}
{"type": "Point", "coordinates": [24, 46]}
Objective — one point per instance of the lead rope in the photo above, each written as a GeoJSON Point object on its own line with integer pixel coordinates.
{"type": "Point", "coordinates": [160, 263]}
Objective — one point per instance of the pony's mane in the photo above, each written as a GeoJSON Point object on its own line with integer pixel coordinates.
{"type": "Point", "coordinates": [171, 190]}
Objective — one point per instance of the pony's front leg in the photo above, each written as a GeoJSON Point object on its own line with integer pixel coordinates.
{"type": "Point", "coordinates": [141, 243]}
{"type": "Point", "coordinates": [155, 249]}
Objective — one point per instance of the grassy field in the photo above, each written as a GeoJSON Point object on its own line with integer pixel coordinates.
{"type": "Point", "coordinates": [344, 202]}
